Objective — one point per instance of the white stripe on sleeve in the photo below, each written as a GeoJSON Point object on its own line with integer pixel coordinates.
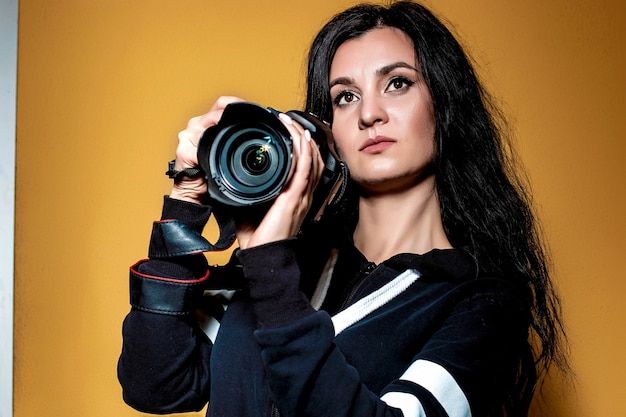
{"type": "Point", "coordinates": [409, 404]}
{"type": "Point", "coordinates": [439, 383]}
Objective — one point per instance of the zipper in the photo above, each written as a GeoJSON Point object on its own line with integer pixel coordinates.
{"type": "Point", "coordinates": [274, 412]}
{"type": "Point", "coordinates": [371, 267]}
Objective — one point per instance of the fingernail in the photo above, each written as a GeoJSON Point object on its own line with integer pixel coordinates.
{"type": "Point", "coordinates": [285, 118]}
{"type": "Point", "coordinates": [307, 135]}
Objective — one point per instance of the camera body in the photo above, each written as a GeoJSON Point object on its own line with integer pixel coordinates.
{"type": "Point", "coordinates": [247, 157]}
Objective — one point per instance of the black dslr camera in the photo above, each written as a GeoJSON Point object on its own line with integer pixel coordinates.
{"type": "Point", "coordinates": [247, 157]}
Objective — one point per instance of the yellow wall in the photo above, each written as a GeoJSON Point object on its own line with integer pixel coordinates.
{"type": "Point", "coordinates": [104, 86]}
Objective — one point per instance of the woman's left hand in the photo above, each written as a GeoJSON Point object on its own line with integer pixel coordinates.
{"type": "Point", "coordinates": [286, 214]}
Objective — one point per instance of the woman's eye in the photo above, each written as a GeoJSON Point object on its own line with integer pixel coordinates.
{"type": "Point", "coordinates": [344, 98]}
{"type": "Point", "coordinates": [399, 83]}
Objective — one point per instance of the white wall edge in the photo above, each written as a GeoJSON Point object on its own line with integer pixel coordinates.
{"type": "Point", "coordinates": [8, 93]}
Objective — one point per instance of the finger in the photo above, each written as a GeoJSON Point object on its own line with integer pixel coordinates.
{"type": "Point", "coordinates": [299, 185]}
{"type": "Point", "coordinates": [295, 131]}
{"type": "Point", "coordinates": [223, 101]}
{"type": "Point", "coordinates": [317, 158]}
{"type": "Point", "coordinates": [214, 114]}
{"type": "Point", "coordinates": [317, 164]}
{"type": "Point", "coordinates": [290, 124]}
{"type": "Point", "coordinates": [189, 138]}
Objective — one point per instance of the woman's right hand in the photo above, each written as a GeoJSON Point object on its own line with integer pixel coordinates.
{"type": "Point", "coordinates": [287, 212]}
{"type": "Point", "coordinates": [195, 189]}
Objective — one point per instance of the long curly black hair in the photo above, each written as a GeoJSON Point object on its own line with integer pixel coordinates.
{"type": "Point", "coordinates": [485, 205]}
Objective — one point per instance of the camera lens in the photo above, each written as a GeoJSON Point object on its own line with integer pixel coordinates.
{"type": "Point", "coordinates": [256, 159]}
{"type": "Point", "coordinates": [251, 161]}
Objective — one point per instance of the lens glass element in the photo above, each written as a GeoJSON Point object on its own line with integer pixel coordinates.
{"type": "Point", "coordinates": [256, 158]}
{"type": "Point", "coordinates": [252, 158]}
{"type": "Point", "coordinates": [252, 162]}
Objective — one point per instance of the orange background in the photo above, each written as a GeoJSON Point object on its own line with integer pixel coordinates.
{"type": "Point", "coordinates": [104, 86]}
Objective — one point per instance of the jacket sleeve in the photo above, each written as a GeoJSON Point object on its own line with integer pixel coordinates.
{"type": "Point", "coordinates": [164, 363]}
{"type": "Point", "coordinates": [309, 375]}
{"type": "Point", "coordinates": [469, 365]}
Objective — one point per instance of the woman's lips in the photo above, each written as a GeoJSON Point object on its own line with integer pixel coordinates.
{"type": "Point", "coordinates": [376, 145]}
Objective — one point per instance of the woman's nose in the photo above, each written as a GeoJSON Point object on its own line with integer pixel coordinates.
{"type": "Point", "coordinates": [372, 112]}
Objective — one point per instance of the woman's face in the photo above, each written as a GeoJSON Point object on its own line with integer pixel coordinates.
{"type": "Point", "coordinates": [383, 121]}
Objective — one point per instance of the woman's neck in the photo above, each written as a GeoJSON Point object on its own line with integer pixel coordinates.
{"type": "Point", "coordinates": [402, 222]}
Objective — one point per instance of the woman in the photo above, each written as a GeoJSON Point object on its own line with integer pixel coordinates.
{"type": "Point", "coordinates": [425, 292]}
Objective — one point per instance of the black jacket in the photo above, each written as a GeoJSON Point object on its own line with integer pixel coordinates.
{"type": "Point", "coordinates": [313, 329]}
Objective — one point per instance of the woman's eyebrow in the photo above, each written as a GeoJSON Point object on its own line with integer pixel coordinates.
{"type": "Point", "coordinates": [400, 64]}
{"type": "Point", "coordinates": [379, 72]}
{"type": "Point", "coordinates": [341, 81]}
